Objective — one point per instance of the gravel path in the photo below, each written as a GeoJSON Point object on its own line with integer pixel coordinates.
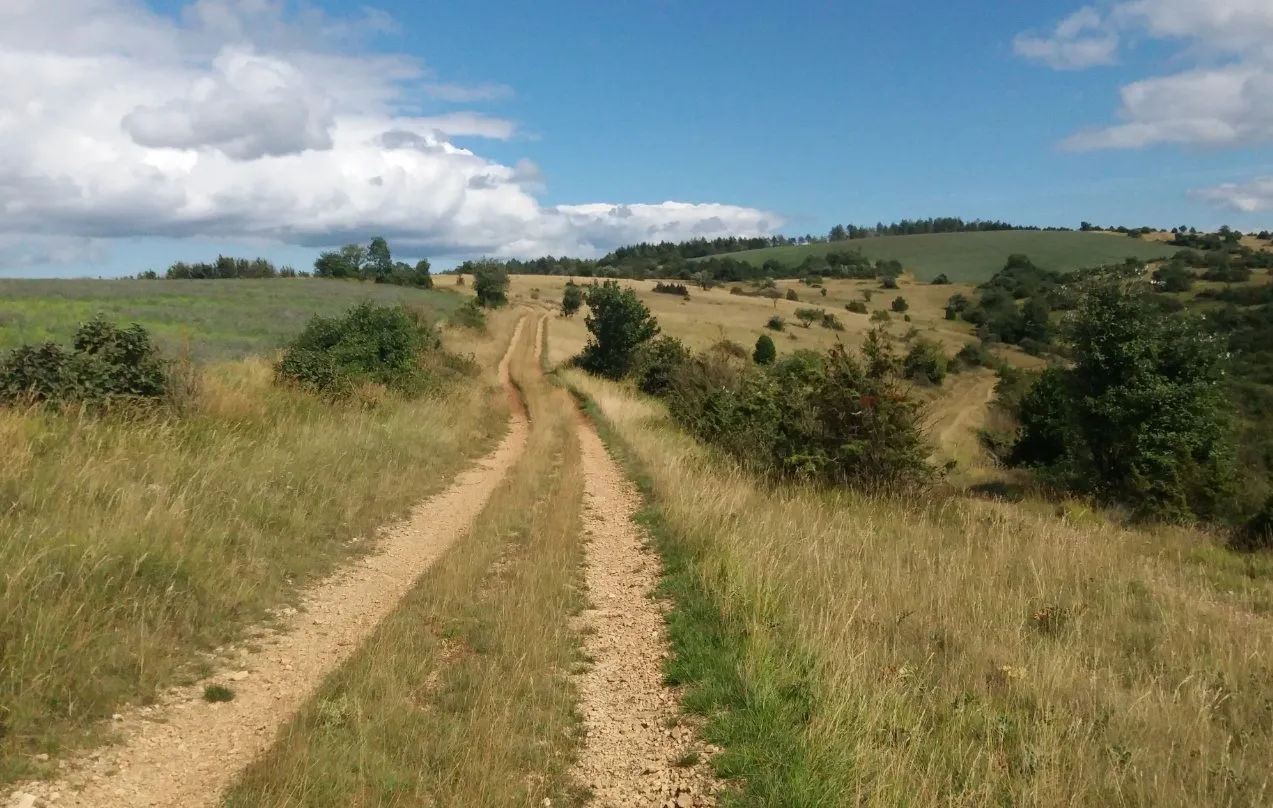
{"type": "Point", "coordinates": [185, 751]}
{"type": "Point", "coordinates": [637, 751]}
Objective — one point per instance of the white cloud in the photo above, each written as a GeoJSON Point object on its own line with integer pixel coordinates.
{"type": "Point", "coordinates": [235, 122]}
{"type": "Point", "coordinates": [1245, 197]}
{"type": "Point", "coordinates": [1071, 47]}
{"type": "Point", "coordinates": [1225, 100]}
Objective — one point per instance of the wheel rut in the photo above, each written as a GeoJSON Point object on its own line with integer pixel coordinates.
{"type": "Point", "coordinates": [637, 750]}
{"type": "Point", "coordinates": [183, 752]}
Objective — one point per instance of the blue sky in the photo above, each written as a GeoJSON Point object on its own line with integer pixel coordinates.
{"type": "Point", "coordinates": [263, 129]}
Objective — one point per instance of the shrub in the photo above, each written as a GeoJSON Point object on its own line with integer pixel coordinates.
{"type": "Point", "coordinates": [791, 295]}
{"type": "Point", "coordinates": [829, 320]}
{"type": "Point", "coordinates": [856, 306]}
{"type": "Point", "coordinates": [888, 283]}
{"type": "Point", "coordinates": [1141, 418]}
{"type": "Point", "coordinates": [534, 293]}
{"type": "Point", "coordinates": [900, 305]}
{"type": "Point", "coordinates": [880, 316]}
{"type": "Point", "coordinates": [1257, 532]}
{"type": "Point", "coordinates": [776, 323]}
{"type": "Point", "coordinates": [490, 283]}
{"type": "Point", "coordinates": [369, 343]}
{"type": "Point", "coordinates": [824, 291]}
{"type": "Point", "coordinates": [106, 365]}
{"type": "Point", "coordinates": [619, 324]}
{"type": "Point", "coordinates": [571, 299]}
{"type": "Point", "coordinates": [812, 280]}
{"type": "Point", "coordinates": [821, 418]}
{"type": "Point", "coordinates": [672, 289]}
{"type": "Point", "coordinates": [925, 362]}
{"type": "Point", "coordinates": [866, 294]}
{"type": "Point", "coordinates": [975, 354]}
{"type": "Point", "coordinates": [808, 317]}
{"type": "Point", "coordinates": [941, 280]}
{"type": "Point", "coordinates": [765, 352]}
{"type": "Point", "coordinates": [469, 316]}
{"type": "Point", "coordinates": [658, 362]}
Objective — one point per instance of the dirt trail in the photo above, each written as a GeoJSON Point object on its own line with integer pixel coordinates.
{"type": "Point", "coordinates": [961, 410]}
{"type": "Point", "coordinates": [635, 753]}
{"type": "Point", "coordinates": [184, 752]}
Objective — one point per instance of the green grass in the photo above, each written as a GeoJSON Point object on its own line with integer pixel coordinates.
{"type": "Point", "coordinates": [217, 319]}
{"type": "Point", "coordinates": [974, 257]}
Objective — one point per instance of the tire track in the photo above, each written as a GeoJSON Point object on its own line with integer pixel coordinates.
{"type": "Point", "coordinates": [635, 752]}
{"type": "Point", "coordinates": [186, 751]}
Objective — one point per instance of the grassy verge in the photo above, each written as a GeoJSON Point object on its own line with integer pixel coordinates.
{"type": "Point", "coordinates": [461, 697]}
{"type": "Point", "coordinates": [129, 544]}
{"type": "Point", "coordinates": [224, 319]}
{"type": "Point", "coordinates": [852, 651]}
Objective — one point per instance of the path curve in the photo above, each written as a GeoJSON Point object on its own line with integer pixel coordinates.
{"type": "Point", "coordinates": [198, 750]}
{"type": "Point", "coordinates": [637, 751]}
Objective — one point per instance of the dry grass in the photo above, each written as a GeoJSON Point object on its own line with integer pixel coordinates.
{"type": "Point", "coordinates": [461, 697]}
{"type": "Point", "coordinates": [708, 317]}
{"type": "Point", "coordinates": [956, 652]}
{"type": "Point", "coordinates": [131, 544]}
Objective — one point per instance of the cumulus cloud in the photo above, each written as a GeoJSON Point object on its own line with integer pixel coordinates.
{"type": "Point", "coordinates": [1244, 197]}
{"type": "Point", "coordinates": [1225, 100]}
{"type": "Point", "coordinates": [1078, 42]}
{"type": "Point", "coordinates": [234, 121]}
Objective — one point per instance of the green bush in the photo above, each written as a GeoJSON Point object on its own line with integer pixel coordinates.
{"type": "Point", "coordinates": [856, 306]}
{"type": "Point", "coordinates": [469, 316]}
{"type": "Point", "coordinates": [490, 283]}
{"type": "Point", "coordinates": [941, 280]}
{"type": "Point", "coordinates": [808, 317]}
{"type": "Point", "coordinates": [888, 283]}
{"type": "Point", "coordinates": [619, 324]}
{"type": "Point", "coordinates": [829, 320]}
{"type": "Point", "coordinates": [900, 305]}
{"type": "Point", "coordinates": [880, 316]}
{"type": "Point", "coordinates": [975, 354]}
{"type": "Point", "coordinates": [776, 323]}
{"type": "Point", "coordinates": [106, 365]}
{"type": "Point", "coordinates": [369, 343]}
{"type": "Point", "coordinates": [807, 416]}
{"type": "Point", "coordinates": [571, 299]}
{"type": "Point", "coordinates": [791, 295]}
{"type": "Point", "coordinates": [1257, 532]}
{"type": "Point", "coordinates": [925, 362]}
{"type": "Point", "coordinates": [765, 352]}
{"type": "Point", "coordinates": [658, 362]}
{"type": "Point", "coordinates": [1141, 418]}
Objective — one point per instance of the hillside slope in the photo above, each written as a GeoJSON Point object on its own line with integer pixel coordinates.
{"type": "Point", "coordinates": [974, 257]}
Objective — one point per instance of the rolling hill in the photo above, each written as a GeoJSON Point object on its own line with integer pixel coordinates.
{"type": "Point", "coordinates": [974, 257]}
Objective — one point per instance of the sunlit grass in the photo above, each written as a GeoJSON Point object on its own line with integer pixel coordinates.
{"type": "Point", "coordinates": [855, 650]}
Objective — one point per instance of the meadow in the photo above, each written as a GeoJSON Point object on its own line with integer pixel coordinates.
{"type": "Point", "coordinates": [135, 543]}
{"type": "Point", "coordinates": [973, 257]}
{"type": "Point", "coordinates": [857, 650]}
{"type": "Point", "coordinates": [222, 319]}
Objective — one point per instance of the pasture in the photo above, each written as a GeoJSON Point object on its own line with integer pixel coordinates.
{"type": "Point", "coordinates": [974, 257]}
{"type": "Point", "coordinates": [221, 319]}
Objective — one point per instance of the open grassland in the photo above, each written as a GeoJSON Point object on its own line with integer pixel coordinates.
{"type": "Point", "coordinates": [462, 696]}
{"type": "Point", "coordinates": [861, 651]}
{"type": "Point", "coordinates": [708, 317]}
{"type": "Point", "coordinates": [974, 257]}
{"type": "Point", "coordinates": [221, 319]}
{"type": "Point", "coordinates": [129, 544]}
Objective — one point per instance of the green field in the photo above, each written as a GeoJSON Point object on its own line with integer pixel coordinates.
{"type": "Point", "coordinates": [217, 319]}
{"type": "Point", "coordinates": [974, 257]}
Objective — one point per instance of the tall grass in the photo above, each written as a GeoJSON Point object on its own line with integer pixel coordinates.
{"type": "Point", "coordinates": [129, 544]}
{"type": "Point", "coordinates": [461, 697]}
{"type": "Point", "coordinates": [857, 651]}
